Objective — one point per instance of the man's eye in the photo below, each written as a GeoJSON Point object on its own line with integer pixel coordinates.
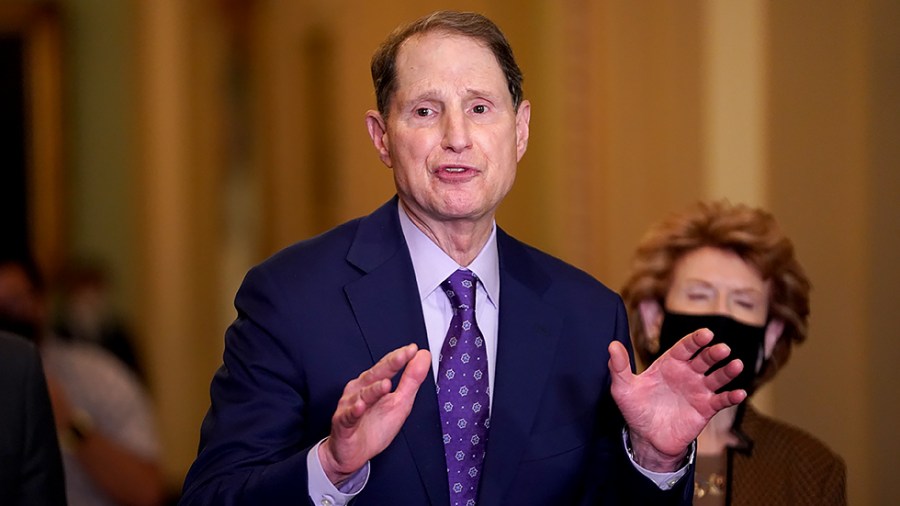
{"type": "Point", "coordinates": [479, 109]}
{"type": "Point", "coordinates": [423, 111]}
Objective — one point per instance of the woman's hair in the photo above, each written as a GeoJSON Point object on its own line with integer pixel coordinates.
{"type": "Point", "coordinates": [750, 233]}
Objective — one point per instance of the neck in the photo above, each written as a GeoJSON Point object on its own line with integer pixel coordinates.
{"type": "Point", "coordinates": [718, 434]}
{"type": "Point", "coordinates": [462, 240]}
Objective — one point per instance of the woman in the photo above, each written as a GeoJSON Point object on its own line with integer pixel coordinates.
{"type": "Point", "coordinates": [731, 269]}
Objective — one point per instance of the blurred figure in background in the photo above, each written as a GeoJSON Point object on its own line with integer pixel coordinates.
{"type": "Point", "coordinates": [103, 417]}
{"type": "Point", "coordinates": [731, 269]}
{"type": "Point", "coordinates": [86, 313]}
{"type": "Point", "coordinates": [30, 467]}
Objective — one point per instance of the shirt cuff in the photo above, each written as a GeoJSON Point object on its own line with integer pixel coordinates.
{"type": "Point", "coordinates": [322, 491]}
{"type": "Point", "coordinates": [665, 481]}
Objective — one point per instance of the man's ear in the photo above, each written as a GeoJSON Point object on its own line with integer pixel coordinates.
{"type": "Point", "coordinates": [523, 117]}
{"type": "Point", "coordinates": [773, 332]}
{"type": "Point", "coordinates": [378, 133]}
{"type": "Point", "coordinates": [651, 317]}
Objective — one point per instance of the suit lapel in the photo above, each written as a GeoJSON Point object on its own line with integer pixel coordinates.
{"type": "Point", "coordinates": [386, 304]}
{"type": "Point", "coordinates": [528, 332]}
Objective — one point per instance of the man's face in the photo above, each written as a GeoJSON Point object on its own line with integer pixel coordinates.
{"type": "Point", "coordinates": [452, 137]}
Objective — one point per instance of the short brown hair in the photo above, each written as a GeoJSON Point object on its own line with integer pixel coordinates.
{"type": "Point", "coordinates": [753, 235]}
{"type": "Point", "coordinates": [469, 24]}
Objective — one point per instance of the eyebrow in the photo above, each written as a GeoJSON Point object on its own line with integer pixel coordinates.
{"type": "Point", "coordinates": [435, 95]}
{"type": "Point", "coordinates": [707, 284]}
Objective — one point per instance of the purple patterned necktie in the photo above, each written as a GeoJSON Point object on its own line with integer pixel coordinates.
{"type": "Point", "coordinates": [462, 389]}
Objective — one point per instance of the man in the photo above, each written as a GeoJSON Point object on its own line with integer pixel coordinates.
{"type": "Point", "coordinates": [308, 402]}
{"type": "Point", "coordinates": [103, 418]}
{"type": "Point", "coordinates": [30, 467]}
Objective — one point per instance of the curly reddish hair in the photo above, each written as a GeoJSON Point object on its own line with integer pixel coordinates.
{"type": "Point", "coordinates": [753, 235]}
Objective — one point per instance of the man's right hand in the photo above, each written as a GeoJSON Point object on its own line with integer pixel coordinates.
{"type": "Point", "coordinates": [369, 415]}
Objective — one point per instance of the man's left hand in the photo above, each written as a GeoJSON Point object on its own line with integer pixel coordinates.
{"type": "Point", "coordinates": [668, 405]}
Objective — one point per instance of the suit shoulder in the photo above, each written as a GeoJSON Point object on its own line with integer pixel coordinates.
{"type": "Point", "coordinates": [567, 277]}
{"type": "Point", "coordinates": [11, 344]}
{"type": "Point", "coordinates": [326, 246]}
{"type": "Point", "coordinates": [306, 261]}
{"type": "Point", "coordinates": [19, 357]}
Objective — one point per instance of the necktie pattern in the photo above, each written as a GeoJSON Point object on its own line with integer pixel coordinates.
{"type": "Point", "coordinates": [462, 390]}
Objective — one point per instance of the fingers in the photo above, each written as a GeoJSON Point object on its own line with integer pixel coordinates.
{"type": "Point", "coordinates": [709, 357]}
{"type": "Point", "coordinates": [689, 345]}
{"type": "Point", "coordinates": [370, 394]}
{"type": "Point", "coordinates": [720, 377]}
{"type": "Point", "coordinates": [414, 375]}
{"type": "Point", "coordinates": [727, 399]}
{"type": "Point", "coordinates": [389, 365]}
{"type": "Point", "coordinates": [619, 363]}
{"type": "Point", "coordinates": [354, 404]}
{"type": "Point", "coordinates": [373, 384]}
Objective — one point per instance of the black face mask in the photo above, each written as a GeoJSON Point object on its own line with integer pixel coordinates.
{"type": "Point", "coordinates": [745, 341]}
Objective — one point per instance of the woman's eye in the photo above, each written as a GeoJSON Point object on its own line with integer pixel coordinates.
{"type": "Point", "coordinates": [746, 304]}
{"type": "Point", "coordinates": [423, 111]}
{"type": "Point", "coordinates": [479, 109]}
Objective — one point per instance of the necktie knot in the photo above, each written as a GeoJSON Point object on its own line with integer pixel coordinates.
{"type": "Point", "coordinates": [460, 290]}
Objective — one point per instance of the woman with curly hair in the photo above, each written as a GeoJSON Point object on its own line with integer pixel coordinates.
{"type": "Point", "coordinates": [731, 269]}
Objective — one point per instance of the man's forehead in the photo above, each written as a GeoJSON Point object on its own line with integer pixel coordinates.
{"type": "Point", "coordinates": [412, 47]}
{"type": "Point", "coordinates": [418, 67]}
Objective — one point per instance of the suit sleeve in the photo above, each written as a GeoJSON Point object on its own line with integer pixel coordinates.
{"type": "Point", "coordinates": [623, 483]}
{"type": "Point", "coordinates": [41, 474]}
{"type": "Point", "coordinates": [253, 441]}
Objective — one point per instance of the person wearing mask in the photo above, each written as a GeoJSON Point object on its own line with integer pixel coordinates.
{"type": "Point", "coordinates": [103, 417]}
{"type": "Point", "coordinates": [731, 269]}
{"type": "Point", "coordinates": [86, 314]}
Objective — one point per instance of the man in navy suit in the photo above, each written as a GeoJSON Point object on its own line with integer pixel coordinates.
{"type": "Point", "coordinates": [328, 387]}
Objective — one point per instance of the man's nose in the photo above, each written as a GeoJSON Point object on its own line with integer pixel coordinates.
{"type": "Point", "coordinates": [457, 135]}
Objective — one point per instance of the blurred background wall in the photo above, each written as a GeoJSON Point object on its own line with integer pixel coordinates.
{"type": "Point", "coordinates": [193, 139]}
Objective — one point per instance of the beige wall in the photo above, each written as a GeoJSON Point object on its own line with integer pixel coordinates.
{"type": "Point", "coordinates": [240, 127]}
{"type": "Point", "coordinates": [100, 136]}
{"type": "Point", "coordinates": [834, 179]}
{"type": "Point", "coordinates": [883, 181]}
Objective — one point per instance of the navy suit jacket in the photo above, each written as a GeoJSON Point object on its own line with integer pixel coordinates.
{"type": "Point", "coordinates": [320, 312]}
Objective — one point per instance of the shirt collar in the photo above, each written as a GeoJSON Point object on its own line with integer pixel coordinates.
{"type": "Point", "coordinates": [432, 266]}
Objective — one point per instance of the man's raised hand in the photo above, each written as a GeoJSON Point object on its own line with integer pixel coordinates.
{"type": "Point", "coordinates": [369, 415]}
{"type": "Point", "coordinates": [668, 405]}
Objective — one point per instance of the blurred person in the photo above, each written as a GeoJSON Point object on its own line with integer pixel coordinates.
{"type": "Point", "coordinates": [529, 396]}
{"type": "Point", "coordinates": [731, 269]}
{"type": "Point", "coordinates": [31, 471]}
{"type": "Point", "coordinates": [86, 313]}
{"type": "Point", "coordinates": [103, 417]}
